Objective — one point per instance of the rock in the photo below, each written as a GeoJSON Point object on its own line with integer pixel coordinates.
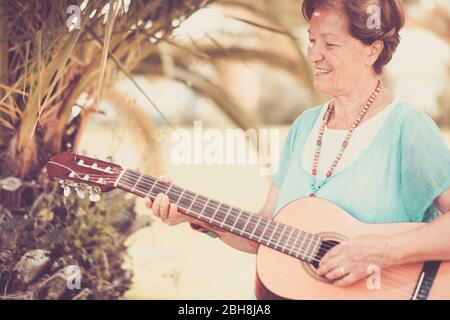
{"type": "Point", "coordinates": [83, 295]}
{"type": "Point", "coordinates": [31, 264]}
{"type": "Point", "coordinates": [10, 184]}
{"type": "Point", "coordinates": [56, 286]}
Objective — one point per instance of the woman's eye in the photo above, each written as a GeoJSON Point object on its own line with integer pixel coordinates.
{"type": "Point", "coordinates": [330, 45]}
{"type": "Point", "coordinates": [311, 41]}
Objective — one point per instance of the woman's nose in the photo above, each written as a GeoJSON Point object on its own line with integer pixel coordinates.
{"type": "Point", "coordinates": [314, 54]}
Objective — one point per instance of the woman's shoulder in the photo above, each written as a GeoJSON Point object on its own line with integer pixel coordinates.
{"type": "Point", "coordinates": [303, 123]}
{"type": "Point", "coordinates": [412, 116]}
{"type": "Point", "coordinates": [418, 128]}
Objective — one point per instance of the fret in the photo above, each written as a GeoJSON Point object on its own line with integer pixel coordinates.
{"type": "Point", "coordinates": [206, 205]}
{"type": "Point", "coordinates": [215, 212]}
{"type": "Point", "coordinates": [221, 213]}
{"type": "Point", "coordinates": [314, 247]}
{"type": "Point", "coordinates": [309, 246]}
{"type": "Point", "coordinates": [198, 205]}
{"type": "Point", "coordinates": [174, 193]}
{"type": "Point", "coordinates": [150, 190]}
{"type": "Point", "coordinates": [230, 219]}
{"type": "Point", "coordinates": [237, 219]}
{"type": "Point", "coordinates": [141, 186]}
{"type": "Point", "coordinates": [226, 215]}
{"type": "Point", "coordinates": [279, 238]}
{"type": "Point", "coordinates": [135, 184]}
{"type": "Point", "coordinates": [255, 227]}
{"type": "Point", "coordinates": [248, 220]}
{"type": "Point", "coordinates": [305, 251]}
{"type": "Point", "coordinates": [116, 183]}
{"type": "Point", "coordinates": [127, 179]}
{"type": "Point", "coordinates": [191, 204]}
{"type": "Point", "coordinates": [168, 189]}
{"type": "Point", "coordinates": [261, 227]}
{"type": "Point", "coordinates": [287, 240]}
{"type": "Point", "coordinates": [250, 228]}
{"type": "Point", "coordinates": [185, 202]}
{"type": "Point", "coordinates": [273, 232]}
{"type": "Point", "coordinates": [264, 231]}
{"type": "Point", "coordinates": [159, 187]}
{"type": "Point", "coordinates": [181, 196]}
{"type": "Point", "coordinates": [301, 245]}
{"type": "Point", "coordinates": [295, 241]}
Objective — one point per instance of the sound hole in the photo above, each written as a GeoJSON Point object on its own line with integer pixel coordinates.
{"type": "Point", "coordinates": [324, 248]}
{"type": "Point", "coordinates": [329, 240]}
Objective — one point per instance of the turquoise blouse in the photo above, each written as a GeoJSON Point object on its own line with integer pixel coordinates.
{"type": "Point", "coordinates": [396, 179]}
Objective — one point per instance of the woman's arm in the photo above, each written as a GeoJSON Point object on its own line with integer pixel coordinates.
{"type": "Point", "coordinates": [350, 261]}
{"type": "Point", "coordinates": [430, 242]}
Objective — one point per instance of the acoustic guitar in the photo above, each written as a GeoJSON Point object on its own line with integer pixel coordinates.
{"type": "Point", "coordinates": [291, 245]}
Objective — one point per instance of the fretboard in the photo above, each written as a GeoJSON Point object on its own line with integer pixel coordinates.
{"type": "Point", "coordinates": [278, 236]}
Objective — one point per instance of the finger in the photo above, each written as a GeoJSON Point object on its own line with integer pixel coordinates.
{"type": "Point", "coordinates": [164, 207]}
{"type": "Point", "coordinates": [173, 210]}
{"type": "Point", "coordinates": [165, 179]}
{"type": "Point", "coordinates": [332, 253]}
{"type": "Point", "coordinates": [156, 205]}
{"type": "Point", "coordinates": [148, 203]}
{"type": "Point", "coordinates": [329, 266]}
{"type": "Point", "coordinates": [337, 273]}
{"type": "Point", "coordinates": [347, 280]}
{"type": "Point", "coordinates": [174, 216]}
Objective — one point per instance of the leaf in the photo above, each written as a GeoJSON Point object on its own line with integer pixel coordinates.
{"type": "Point", "coordinates": [132, 79]}
{"type": "Point", "coordinates": [113, 8]}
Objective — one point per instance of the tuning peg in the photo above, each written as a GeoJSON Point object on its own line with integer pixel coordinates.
{"type": "Point", "coordinates": [66, 189]}
{"type": "Point", "coordinates": [94, 194]}
{"type": "Point", "coordinates": [94, 197]}
{"type": "Point", "coordinates": [81, 192]}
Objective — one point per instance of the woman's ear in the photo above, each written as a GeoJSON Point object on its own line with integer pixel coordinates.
{"type": "Point", "coordinates": [375, 50]}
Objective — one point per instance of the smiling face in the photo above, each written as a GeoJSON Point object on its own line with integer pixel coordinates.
{"type": "Point", "coordinates": [340, 61]}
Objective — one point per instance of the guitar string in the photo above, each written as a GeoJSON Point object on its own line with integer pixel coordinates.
{"type": "Point", "coordinates": [301, 252]}
{"type": "Point", "coordinates": [391, 281]}
{"type": "Point", "coordinates": [229, 212]}
{"type": "Point", "coordinates": [155, 182]}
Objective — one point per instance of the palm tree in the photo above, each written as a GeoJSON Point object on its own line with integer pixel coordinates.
{"type": "Point", "coordinates": [51, 53]}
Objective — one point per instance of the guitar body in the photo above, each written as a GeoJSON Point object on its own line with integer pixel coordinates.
{"type": "Point", "coordinates": [280, 276]}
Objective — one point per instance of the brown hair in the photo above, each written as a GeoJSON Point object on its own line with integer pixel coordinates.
{"type": "Point", "coordinates": [356, 11]}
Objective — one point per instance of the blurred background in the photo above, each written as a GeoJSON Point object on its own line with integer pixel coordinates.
{"type": "Point", "coordinates": [119, 85]}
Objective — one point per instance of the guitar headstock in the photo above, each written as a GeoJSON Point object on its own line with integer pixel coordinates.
{"type": "Point", "coordinates": [87, 175]}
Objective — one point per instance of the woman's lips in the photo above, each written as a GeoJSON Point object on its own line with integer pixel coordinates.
{"type": "Point", "coordinates": [322, 72]}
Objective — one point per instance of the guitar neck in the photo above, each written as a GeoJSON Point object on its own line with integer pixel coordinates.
{"type": "Point", "coordinates": [255, 227]}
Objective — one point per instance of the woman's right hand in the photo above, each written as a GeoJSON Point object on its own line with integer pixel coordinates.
{"type": "Point", "coordinates": [163, 209]}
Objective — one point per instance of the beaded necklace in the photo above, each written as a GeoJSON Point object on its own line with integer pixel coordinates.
{"type": "Point", "coordinates": [314, 186]}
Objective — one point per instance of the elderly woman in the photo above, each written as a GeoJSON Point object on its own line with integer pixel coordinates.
{"type": "Point", "coordinates": [366, 150]}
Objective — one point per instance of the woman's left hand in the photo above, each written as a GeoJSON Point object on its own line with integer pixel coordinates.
{"type": "Point", "coordinates": [355, 259]}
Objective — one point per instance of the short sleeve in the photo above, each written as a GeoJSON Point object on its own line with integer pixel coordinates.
{"type": "Point", "coordinates": [425, 165]}
{"type": "Point", "coordinates": [286, 153]}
